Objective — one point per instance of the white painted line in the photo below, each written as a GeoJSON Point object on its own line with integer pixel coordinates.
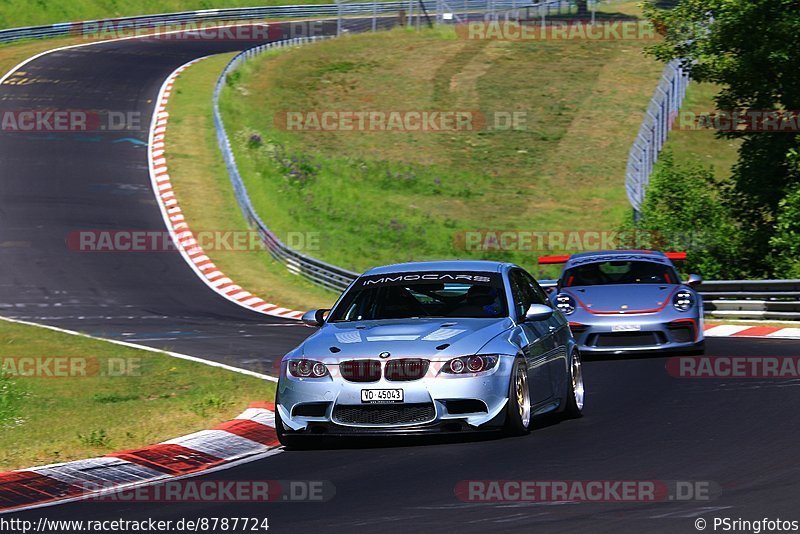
{"type": "Point", "coordinates": [149, 349]}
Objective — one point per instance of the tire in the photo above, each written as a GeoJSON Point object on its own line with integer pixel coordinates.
{"type": "Point", "coordinates": [573, 407]}
{"type": "Point", "coordinates": [518, 408]}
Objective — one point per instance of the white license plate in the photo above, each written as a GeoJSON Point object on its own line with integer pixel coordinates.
{"type": "Point", "coordinates": [375, 396]}
{"type": "Point", "coordinates": [626, 328]}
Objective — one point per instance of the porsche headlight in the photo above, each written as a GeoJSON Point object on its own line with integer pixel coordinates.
{"type": "Point", "coordinates": [565, 303]}
{"type": "Point", "coordinates": [683, 300]}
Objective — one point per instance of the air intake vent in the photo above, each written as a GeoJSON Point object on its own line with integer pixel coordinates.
{"type": "Point", "coordinates": [379, 414]}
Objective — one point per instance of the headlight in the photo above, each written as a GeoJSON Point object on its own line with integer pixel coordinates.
{"type": "Point", "coordinates": [470, 364]}
{"type": "Point", "coordinates": [683, 300]}
{"type": "Point", "coordinates": [565, 303]}
{"type": "Point", "coordinates": [307, 369]}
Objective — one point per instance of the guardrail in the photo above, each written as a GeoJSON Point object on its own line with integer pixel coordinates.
{"type": "Point", "coordinates": [661, 111]}
{"type": "Point", "coordinates": [316, 271]}
{"type": "Point", "coordinates": [752, 299]}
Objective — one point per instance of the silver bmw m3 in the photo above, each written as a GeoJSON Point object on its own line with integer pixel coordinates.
{"type": "Point", "coordinates": [442, 346]}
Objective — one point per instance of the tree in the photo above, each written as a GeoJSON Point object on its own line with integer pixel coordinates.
{"type": "Point", "coordinates": [683, 212]}
{"type": "Point", "coordinates": [750, 48]}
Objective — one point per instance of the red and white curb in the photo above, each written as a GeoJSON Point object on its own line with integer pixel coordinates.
{"type": "Point", "coordinates": [250, 436]}
{"type": "Point", "coordinates": [731, 330]}
{"type": "Point", "coordinates": [176, 223]}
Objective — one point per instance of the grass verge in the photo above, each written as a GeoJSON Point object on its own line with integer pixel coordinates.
{"type": "Point", "coordinates": [203, 190]}
{"type": "Point", "coordinates": [382, 197]}
{"type": "Point", "coordinates": [702, 147]}
{"type": "Point", "coordinates": [125, 398]}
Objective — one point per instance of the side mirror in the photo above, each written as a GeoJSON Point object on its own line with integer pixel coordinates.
{"type": "Point", "coordinates": [694, 280]}
{"type": "Point", "coordinates": [314, 317]}
{"type": "Point", "coordinates": [538, 312]}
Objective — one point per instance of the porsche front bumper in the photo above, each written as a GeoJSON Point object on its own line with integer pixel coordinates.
{"type": "Point", "coordinates": [617, 334]}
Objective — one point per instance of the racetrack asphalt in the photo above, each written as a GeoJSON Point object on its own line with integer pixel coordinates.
{"type": "Point", "coordinates": [640, 423]}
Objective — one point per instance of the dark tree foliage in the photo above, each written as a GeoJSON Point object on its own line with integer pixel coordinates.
{"type": "Point", "coordinates": [751, 48]}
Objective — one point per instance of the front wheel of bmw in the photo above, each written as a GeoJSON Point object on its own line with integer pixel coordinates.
{"type": "Point", "coordinates": [518, 409]}
{"type": "Point", "coordinates": [575, 389]}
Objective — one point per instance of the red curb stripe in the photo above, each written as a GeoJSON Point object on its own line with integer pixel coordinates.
{"type": "Point", "coordinates": [251, 430]}
{"type": "Point", "coordinates": [19, 488]}
{"type": "Point", "coordinates": [170, 458]}
{"type": "Point", "coordinates": [159, 165]}
{"type": "Point", "coordinates": [756, 331]}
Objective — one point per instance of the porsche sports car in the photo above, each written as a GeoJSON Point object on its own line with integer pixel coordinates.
{"type": "Point", "coordinates": [619, 301]}
{"type": "Point", "coordinates": [430, 347]}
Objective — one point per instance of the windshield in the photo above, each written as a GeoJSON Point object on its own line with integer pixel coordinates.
{"type": "Point", "coordinates": [620, 272]}
{"type": "Point", "coordinates": [424, 294]}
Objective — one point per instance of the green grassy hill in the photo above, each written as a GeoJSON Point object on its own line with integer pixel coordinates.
{"type": "Point", "coordinates": [380, 197]}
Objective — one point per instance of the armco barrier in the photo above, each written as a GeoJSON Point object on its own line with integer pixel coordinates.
{"type": "Point", "coordinates": [752, 299]}
{"type": "Point", "coordinates": [316, 271]}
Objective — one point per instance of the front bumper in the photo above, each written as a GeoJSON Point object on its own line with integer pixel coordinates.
{"type": "Point", "coordinates": [637, 333]}
{"type": "Point", "coordinates": [433, 404]}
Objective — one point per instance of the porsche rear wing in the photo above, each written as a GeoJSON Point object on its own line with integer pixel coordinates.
{"type": "Point", "coordinates": [554, 260]}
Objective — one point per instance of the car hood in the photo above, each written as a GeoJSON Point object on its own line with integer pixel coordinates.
{"type": "Point", "coordinates": [623, 298]}
{"type": "Point", "coordinates": [434, 338]}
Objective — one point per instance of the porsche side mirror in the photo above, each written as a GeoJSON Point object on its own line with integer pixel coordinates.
{"type": "Point", "coordinates": [538, 312]}
{"type": "Point", "coordinates": [694, 280]}
{"type": "Point", "coordinates": [314, 317]}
